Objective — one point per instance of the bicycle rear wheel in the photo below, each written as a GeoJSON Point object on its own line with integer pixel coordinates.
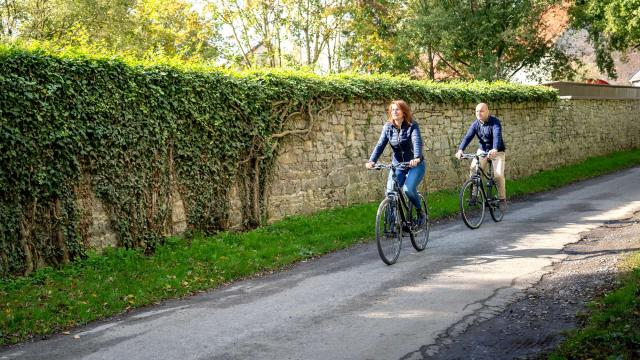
{"type": "Point", "coordinates": [420, 234]}
{"type": "Point", "coordinates": [388, 231]}
{"type": "Point", "coordinates": [472, 204]}
{"type": "Point", "coordinates": [494, 203]}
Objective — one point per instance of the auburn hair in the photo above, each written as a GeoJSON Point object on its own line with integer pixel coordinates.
{"type": "Point", "coordinates": [406, 111]}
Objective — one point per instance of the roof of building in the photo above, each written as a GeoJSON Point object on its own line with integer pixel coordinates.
{"type": "Point", "coordinates": [635, 78]}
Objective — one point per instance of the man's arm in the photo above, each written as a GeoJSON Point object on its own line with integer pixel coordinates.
{"type": "Point", "coordinates": [468, 137]}
{"type": "Point", "coordinates": [466, 140]}
{"type": "Point", "coordinates": [497, 135]}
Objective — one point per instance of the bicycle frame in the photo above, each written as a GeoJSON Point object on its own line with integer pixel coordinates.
{"type": "Point", "coordinates": [480, 174]}
{"type": "Point", "coordinates": [399, 193]}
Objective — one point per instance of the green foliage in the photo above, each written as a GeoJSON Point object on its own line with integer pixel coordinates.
{"type": "Point", "coordinates": [145, 29]}
{"type": "Point", "coordinates": [376, 41]}
{"type": "Point", "coordinates": [135, 136]}
{"type": "Point", "coordinates": [314, 26]}
{"type": "Point", "coordinates": [612, 330]}
{"type": "Point", "coordinates": [482, 40]}
{"type": "Point", "coordinates": [613, 25]}
{"type": "Point", "coordinates": [71, 127]}
{"type": "Point", "coordinates": [45, 302]}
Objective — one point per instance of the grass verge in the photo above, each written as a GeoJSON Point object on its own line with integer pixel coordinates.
{"type": "Point", "coordinates": [612, 330]}
{"type": "Point", "coordinates": [53, 300]}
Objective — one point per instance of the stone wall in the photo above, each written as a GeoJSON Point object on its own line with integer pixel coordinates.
{"type": "Point", "coordinates": [327, 170]}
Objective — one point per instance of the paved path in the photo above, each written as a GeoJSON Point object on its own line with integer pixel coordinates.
{"type": "Point", "coordinates": [349, 305]}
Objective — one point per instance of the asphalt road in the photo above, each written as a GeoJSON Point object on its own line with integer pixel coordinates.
{"type": "Point", "coordinates": [349, 305]}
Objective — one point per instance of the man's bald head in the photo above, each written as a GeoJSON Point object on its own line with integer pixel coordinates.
{"type": "Point", "coordinates": [482, 112]}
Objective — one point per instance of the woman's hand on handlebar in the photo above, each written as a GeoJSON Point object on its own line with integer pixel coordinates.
{"type": "Point", "coordinates": [459, 154]}
{"type": "Point", "coordinates": [414, 162]}
{"type": "Point", "coordinates": [370, 165]}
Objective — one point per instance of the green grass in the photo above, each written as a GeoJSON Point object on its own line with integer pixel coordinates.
{"type": "Point", "coordinates": [612, 329]}
{"type": "Point", "coordinates": [52, 300]}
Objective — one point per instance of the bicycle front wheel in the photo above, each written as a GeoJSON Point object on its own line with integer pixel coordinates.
{"type": "Point", "coordinates": [388, 231]}
{"type": "Point", "coordinates": [472, 204]}
{"type": "Point", "coordinates": [420, 232]}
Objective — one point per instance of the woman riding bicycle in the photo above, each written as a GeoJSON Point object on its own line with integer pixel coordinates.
{"type": "Point", "coordinates": [403, 134]}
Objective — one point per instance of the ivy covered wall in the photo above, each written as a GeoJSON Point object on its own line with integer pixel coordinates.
{"type": "Point", "coordinates": [136, 137]}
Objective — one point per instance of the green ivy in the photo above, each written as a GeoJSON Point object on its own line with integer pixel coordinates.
{"type": "Point", "coordinates": [135, 134]}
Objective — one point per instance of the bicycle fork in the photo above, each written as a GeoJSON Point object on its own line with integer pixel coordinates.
{"type": "Point", "coordinates": [399, 204]}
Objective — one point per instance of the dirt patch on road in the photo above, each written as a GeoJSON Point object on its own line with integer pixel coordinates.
{"type": "Point", "coordinates": [534, 325]}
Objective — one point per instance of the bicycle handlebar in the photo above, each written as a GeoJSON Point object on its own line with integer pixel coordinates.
{"type": "Point", "coordinates": [381, 166]}
{"type": "Point", "coordinates": [472, 156]}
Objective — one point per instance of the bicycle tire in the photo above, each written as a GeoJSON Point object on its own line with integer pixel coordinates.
{"type": "Point", "coordinates": [494, 204]}
{"type": "Point", "coordinates": [472, 212]}
{"type": "Point", "coordinates": [420, 235]}
{"type": "Point", "coordinates": [388, 232]}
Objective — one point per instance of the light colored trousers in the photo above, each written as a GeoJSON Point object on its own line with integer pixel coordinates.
{"type": "Point", "coordinates": [498, 171]}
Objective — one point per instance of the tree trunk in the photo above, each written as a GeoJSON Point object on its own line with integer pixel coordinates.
{"type": "Point", "coordinates": [432, 71]}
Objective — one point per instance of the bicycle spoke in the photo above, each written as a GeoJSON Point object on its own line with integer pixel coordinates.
{"type": "Point", "coordinates": [494, 203]}
{"type": "Point", "coordinates": [388, 232]}
{"type": "Point", "coordinates": [472, 204]}
{"type": "Point", "coordinates": [420, 232]}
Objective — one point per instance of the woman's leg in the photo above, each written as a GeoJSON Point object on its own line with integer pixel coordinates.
{"type": "Point", "coordinates": [414, 176]}
{"type": "Point", "coordinates": [400, 176]}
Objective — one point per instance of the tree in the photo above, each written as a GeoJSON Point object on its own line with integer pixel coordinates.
{"type": "Point", "coordinates": [172, 28]}
{"type": "Point", "coordinates": [11, 15]}
{"type": "Point", "coordinates": [429, 33]}
{"type": "Point", "coordinates": [482, 39]}
{"type": "Point", "coordinates": [375, 37]}
{"type": "Point", "coordinates": [314, 26]}
{"type": "Point", "coordinates": [66, 19]}
{"type": "Point", "coordinates": [140, 28]}
{"type": "Point", "coordinates": [281, 33]}
{"type": "Point", "coordinates": [613, 25]}
{"type": "Point", "coordinates": [256, 31]}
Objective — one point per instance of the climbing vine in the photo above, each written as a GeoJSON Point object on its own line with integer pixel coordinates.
{"type": "Point", "coordinates": [135, 136]}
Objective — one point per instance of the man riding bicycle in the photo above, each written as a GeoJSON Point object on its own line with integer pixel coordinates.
{"type": "Point", "coordinates": [489, 132]}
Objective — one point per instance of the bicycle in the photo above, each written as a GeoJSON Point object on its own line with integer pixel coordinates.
{"type": "Point", "coordinates": [476, 195]}
{"type": "Point", "coordinates": [396, 214]}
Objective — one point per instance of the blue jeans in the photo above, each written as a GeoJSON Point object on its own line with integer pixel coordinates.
{"type": "Point", "coordinates": [409, 179]}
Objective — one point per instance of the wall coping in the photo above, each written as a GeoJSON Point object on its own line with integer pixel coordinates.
{"type": "Point", "coordinates": [573, 90]}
